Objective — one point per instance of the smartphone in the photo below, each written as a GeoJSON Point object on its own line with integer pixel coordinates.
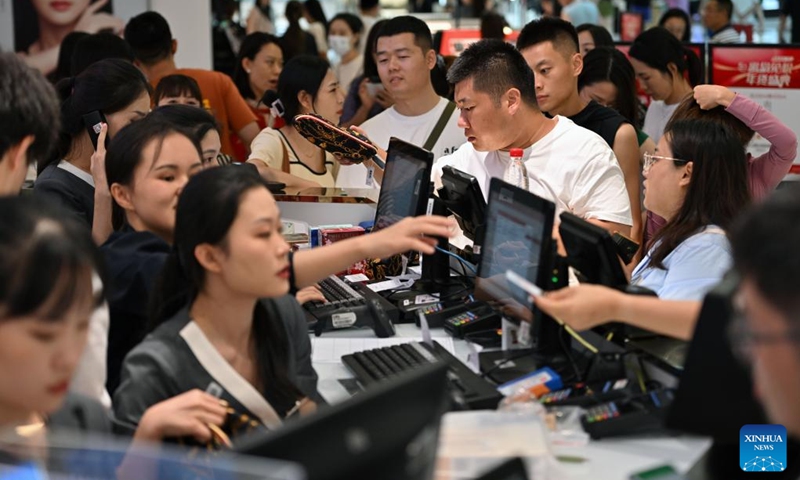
{"type": "Point", "coordinates": [94, 122]}
{"type": "Point", "coordinates": [626, 248]}
{"type": "Point", "coordinates": [374, 88]}
{"type": "Point", "coordinates": [530, 288]}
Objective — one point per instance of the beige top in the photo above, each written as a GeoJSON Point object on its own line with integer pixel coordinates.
{"type": "Point", "coordinates": [269, 147]}
{"type": "Point", "coordinates": [258, 22]}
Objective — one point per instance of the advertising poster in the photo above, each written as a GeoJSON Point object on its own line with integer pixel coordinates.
{"type": "Point", "coordinates": [769, 75]}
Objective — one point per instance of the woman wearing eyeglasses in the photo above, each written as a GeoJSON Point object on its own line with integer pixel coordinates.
{"type": "Point", "coordinates": [697, 181]}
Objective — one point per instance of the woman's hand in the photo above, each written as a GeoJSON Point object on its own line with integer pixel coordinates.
{"type": "Point", "coordinates": [188, 414]}
{"type": "Point", "coordinates": [407, 235]}
{"type": "Point", "coordinates": [582, 307]}
{"type": "Point", "coordinates": [710, 96]}
{"type": "Point", "coordinates": [98, 165]}
{"type": "Point", "coordinates": [367, 100]}
{"type": "Point", "coordinates": [93, 21]}
{"type": "Point", "coordinates": [309, 294]}
{"type": "Point", "coordinates": [384, 99]}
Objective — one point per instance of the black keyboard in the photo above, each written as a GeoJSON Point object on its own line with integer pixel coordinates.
{"type": "Point", "coordinates": [337, 293]}
{"type": "Point", "coordinates": [345, 306]}
{"type": "Point", "coordinates": [372, 366]}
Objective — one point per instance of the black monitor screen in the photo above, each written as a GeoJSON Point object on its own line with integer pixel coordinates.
{"type": "Point", "coordinates": [406, 183]}
{"type": "Point", "coordinates": [462, 195]}
{"type": "Point", "coordinates": [388, 432]}
{"type": "Point", "coordinates": [517, 237]}
{"type": "Point", "coordinates": [590, 251]}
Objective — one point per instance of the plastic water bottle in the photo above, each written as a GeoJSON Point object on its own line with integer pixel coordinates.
{"type": "Point", "coordinates": [516, 173]}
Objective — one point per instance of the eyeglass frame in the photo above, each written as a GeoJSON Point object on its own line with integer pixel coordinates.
{"type": "Point", "coordinates": [650, 160]}
{"type": "Point", "coordinates": [742, 338]}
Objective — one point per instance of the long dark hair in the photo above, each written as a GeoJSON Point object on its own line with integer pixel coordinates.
{"type": "Point", "coordinates": [47, 260]}
{"type": "Point", "coordinates": [370, 66]}
{"type": "Point", "coordinates": [301, 74]}
{"type": "Point", "coordinates": [207, 208]}
{"type": "Point", "coordinates": [251, 45]}
{"type": "Point", "coordinates": [658, 48]}
{"type": "Point", "coordinates": [678, 13]}
{"type": "Point", "coordinates": [294, 39]}
{"type": "Point", "coordinates": [188, 118]}
{"type": "Point", "coordinates": [689, 108]}
{"type": "Point", "coordinates": [126, 153]}
{"type": "Point", "coordinates": [607, 64]}
{"type": "Point", "coordinates": [315, 11]}
{"type": "Point", "coordinates": [107, 86]}
{"type": "Point", "coordinates": [718, 189]}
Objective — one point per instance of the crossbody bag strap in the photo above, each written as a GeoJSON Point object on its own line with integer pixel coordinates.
{"type": "Point", "coordinates": [439, 128]}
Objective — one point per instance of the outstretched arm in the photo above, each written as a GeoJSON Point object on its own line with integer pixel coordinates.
{"type": "Point", "coordinates": [311, 266]}
{"type": "Point", "coordinates": [587, 306]}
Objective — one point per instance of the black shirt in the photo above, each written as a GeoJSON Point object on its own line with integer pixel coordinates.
{"type": "Point", "coordinates": [601, 120]}
{"type": "Point", "coordinates": [134, 260]}
{"type": "Point", "coordinates": [69, 191]}
{"type": "Point", "coordinates": [791, 8]}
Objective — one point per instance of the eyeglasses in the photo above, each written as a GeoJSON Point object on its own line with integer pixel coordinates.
{"type": "Point", "coordinates": [650, 160]}
{"type": "Point", "coordinates": [742, 338]}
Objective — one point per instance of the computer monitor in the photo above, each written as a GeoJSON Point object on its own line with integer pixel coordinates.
{"type": "Point", "coordinates": [517, 237]}
{"type": "Point", "coordinates": [405, 188]}
{"type": "Point", "coordinates": [591, 251]}
{"type": "Point", "coordinates": [715, 394]}
{"type": "Point", "coordinates": [462, 196]}
{"type": "Point", "coordinates": [390, 431]}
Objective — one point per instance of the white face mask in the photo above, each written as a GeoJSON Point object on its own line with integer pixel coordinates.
{"type": "Point", "coordinates": [339, 44]}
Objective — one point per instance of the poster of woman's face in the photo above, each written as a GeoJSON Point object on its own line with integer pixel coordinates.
{"type": "Point", "coordinates": [41, 25]}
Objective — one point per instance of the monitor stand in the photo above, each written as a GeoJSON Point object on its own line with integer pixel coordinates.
{"type": "Point", "coordinates": [435, 280]}
{"type": "Point", "coordinates": [551, 343]}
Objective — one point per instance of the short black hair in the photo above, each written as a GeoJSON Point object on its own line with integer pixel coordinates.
{"type": "Point", "coordinates": [727, 7]}
{"type": "Point", "coordinates": [408, 24]}
{"type": "Point", "coordinates": [494, 66]}
{"type": "Point", "coordinates": [150, 37]}
{"type": "Point", "coordinates": [559, 32]}
{"type": "Point", "coordinates": [28, 106]}
{"type": "Point", "coordinates": [764, 242]}
{"type": "Point", "coordinates": [368, 4]}
{"type": "Point", "coordinates": [100, 46]}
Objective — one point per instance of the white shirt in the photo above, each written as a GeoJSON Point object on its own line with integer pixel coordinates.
{"type": "Point", "coordinates": [346, 72]}
{"type": "Point", "coordinates": [89, 378]}
{"type": "Point", "coordinates": [656, 118]}
{"type": "Point", "coordinates": [570, 166]}
{"type": "Point", "coordinates": [415, 130]}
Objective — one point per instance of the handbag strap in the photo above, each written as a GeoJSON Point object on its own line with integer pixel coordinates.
{"type": "Point", "coordinates": [285, 164]}
{"type": "Point", "coordinates": [439, 127]}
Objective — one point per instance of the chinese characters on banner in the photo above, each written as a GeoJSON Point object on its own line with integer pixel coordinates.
{"type": "Point", "coordinates": [768, 75]}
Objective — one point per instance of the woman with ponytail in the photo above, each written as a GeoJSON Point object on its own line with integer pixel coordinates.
{"type": "Point", "coordinates": [306, 85]}
{"type": "Point", "coordinates": [662, 65]}
{"type": "Point", "coordinates": [75, 176]}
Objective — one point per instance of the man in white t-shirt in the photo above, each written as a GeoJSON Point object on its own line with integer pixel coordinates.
{"type": "Point", "coordinates": [405, 57]}
{"type": "Point", "coordinates": [565, 163]}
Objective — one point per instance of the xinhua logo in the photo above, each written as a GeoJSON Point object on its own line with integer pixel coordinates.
{"type": "Point", "coordinates": [762, 448]}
